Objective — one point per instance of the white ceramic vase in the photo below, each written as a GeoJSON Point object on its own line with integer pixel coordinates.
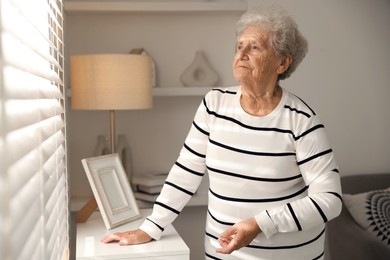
{"type": "Point", "coordinates": [199, 73]}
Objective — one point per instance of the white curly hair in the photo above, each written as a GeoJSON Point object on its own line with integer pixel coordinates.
{"type": "Point", "coordinates": [285, 38]}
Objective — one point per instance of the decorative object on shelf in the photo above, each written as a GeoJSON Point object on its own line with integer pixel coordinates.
{"type": "Point", "coordinates": [123, 150]}
{"type": "Point", "coordinates": [199, 73]}
{"type": "Point", "coordinates": [110, 82]}
{"type": "Point", "coordinates": [148, 186]}
{"type": "Point", "coordinates": [142, 51]}
{"type": "Point", "coordinates": [102, 146]}
{"type": "Point", "coordinates": [111, 189]}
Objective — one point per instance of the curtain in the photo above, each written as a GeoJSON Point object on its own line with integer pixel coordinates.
{"type": "Point", "coordinates": [33, 162]}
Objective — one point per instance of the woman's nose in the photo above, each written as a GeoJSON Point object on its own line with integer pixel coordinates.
{"type": "Point", "coordinates": [243, 53]}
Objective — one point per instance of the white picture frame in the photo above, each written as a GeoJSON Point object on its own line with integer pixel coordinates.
{"type": "Point", "coordinates": [111, 189]}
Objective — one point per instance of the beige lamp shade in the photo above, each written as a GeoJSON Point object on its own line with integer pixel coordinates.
{"type": "Point", "coordinates": [111, 82]}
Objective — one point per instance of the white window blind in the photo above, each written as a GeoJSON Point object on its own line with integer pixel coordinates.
{"type": "Point", "coordinates": [33, 167]}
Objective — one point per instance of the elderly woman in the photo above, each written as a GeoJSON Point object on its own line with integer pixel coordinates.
{"type": "Point", "coordinates": [274, 181]}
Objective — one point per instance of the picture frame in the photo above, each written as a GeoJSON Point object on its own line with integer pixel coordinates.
{"type": "Point", "coordinates": [111, 189]}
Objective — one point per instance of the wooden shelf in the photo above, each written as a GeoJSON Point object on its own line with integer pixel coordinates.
{"type": "Point", "coordinates": [180, 91]}
{"type": "Point", "coordinates": [170, 91]}
{"type": "Point", "coordinates": [70, 7]}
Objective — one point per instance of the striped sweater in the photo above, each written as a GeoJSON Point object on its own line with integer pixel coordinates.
{"type": "Point", "coordinates": [278, 168]}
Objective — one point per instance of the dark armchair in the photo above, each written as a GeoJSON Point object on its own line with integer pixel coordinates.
{"type": "Point", "coordinates": [345, 238]}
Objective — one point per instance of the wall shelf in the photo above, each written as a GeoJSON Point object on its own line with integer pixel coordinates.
{"type": "Point", "coordinates": [70, 7]}
{"type": "Point", "coordinates": [180, 91]}
{"type": "Point", "coordinates": [169, 91]}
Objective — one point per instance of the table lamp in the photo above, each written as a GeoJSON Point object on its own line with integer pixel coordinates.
{"type": "Point", "coordinates": [110, 82]}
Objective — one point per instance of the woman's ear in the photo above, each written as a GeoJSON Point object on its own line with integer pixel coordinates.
{"type": "Point", "coordinates": [285, 64]}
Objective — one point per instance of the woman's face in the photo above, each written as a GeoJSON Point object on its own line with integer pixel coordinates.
{"type": "Point", "coordinates": [255, 61]}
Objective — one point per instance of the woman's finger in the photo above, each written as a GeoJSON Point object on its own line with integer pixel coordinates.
{"type": "Point", "coordinates": [110, 238]}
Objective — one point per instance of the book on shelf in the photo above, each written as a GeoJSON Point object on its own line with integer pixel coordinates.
{"type": "Point", "coordinates": [150, 180]}
{"type": "Point", "coordinates": [152, 190]}
{"type": "Point", "coordinates": [145, 197]}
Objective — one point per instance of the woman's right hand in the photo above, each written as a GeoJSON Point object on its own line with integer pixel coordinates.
{"type": "Point", "coordinates": [132, 237]}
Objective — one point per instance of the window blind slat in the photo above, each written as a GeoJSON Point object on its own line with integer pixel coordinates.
{"type": "Point", "coordinates": [54, 212]}
{"type": "Point", "coordinates": [21, 113]}
{"type": "Point", "coordinates": [19, 84]}
{"type": "Point", "coordinates": [28, 138]}
{"type": "Point", "coordinates": [41, 66]}
{"type": "Point", "coordinates": [28, 195]}
{"type": "Point", "coordinates": [28, 23]}
{"type": "Point", "coordinates": [51, 210]}
{"type": "Point", "coordinates": [31, 249]}
{"type": "Point", "coordinates": [33, 172]}
{"type": "Point", "coordinates": [30, 221]}
{"type": "Point", "coordinates": [24, 169]}
{"type": "Point", "coordinates": [54, 217]}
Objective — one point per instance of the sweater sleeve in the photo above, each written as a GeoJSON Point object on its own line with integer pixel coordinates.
{"type": "Point", "coordinates": [183, 179]}
{"type": "Point", "coordinates": [319, 170]}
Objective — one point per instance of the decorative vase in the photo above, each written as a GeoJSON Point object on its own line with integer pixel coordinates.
{"type": "Point", "coordinates": [199, 73]}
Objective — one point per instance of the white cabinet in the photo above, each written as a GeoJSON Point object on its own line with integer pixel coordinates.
{"type": "Point", "coordinates": [89, 234]}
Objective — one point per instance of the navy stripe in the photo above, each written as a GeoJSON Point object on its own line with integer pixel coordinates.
{"type": "Point", "coordinates": [294, 216]}
{"type": "Point", "coordinates": [213, 257]}
{"type": "Point", "coordinates": [219, 221]}
{"type": "Point", "coordinates": [272, 129]}
{"type": "Point", "coordinates": [265, 129]}
{"type": "Point", "coordinates": [258, 200]}
{"type": "Point", "coordinates": [268, 214]}
{"type": "Point", "coordinates": [212, 236]}
{"type": "Point", "coordinates": [200, 129]}
{"type": "Point", "coordinates": [318, 257]}
{"type": "Point", "coordinates": [336, 194]}
{"type": "Point", "coordinates": [193, 152]}
{"type": "Point", "coordinates": [254, 178]}
{"type": "Point", "coordinates": [297, 111]}
{"type": "Point", "coordinates": [224, 91]}
{"type": "Point", "coordinates": [179, 188]}
{"type": "Point", "coordinates": [188, 169]}
{"type": "Point", "coordinates": [306, 105]}
{"type": "Point", "coordinates": [289, 246]}
{"type": "Point", "coordinates": [251, 152]}
{"type": "Point", "coordinates": [315, 156]}
{"type": "Point", "coordinates": [320, 211]}
{"type": "Point", "coordinates": [309, 131]}
{"type": "Point", "coordinates": [157, 225]}
{"type": "Point", "coordinates": [167, 207]}
{"type": "Point", "coordinates": [279, 247]}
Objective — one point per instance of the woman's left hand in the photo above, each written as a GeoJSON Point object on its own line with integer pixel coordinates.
{"type": "Point", "coordinates": [237, 236]}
